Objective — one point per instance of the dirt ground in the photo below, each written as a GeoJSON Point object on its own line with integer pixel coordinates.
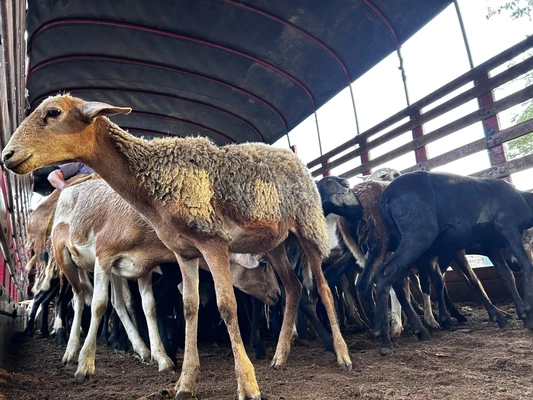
{"type": "Point", "coordinates": [476, 361]}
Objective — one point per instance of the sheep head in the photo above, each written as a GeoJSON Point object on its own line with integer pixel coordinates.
{"type": "Point", "coordinates": [384, 174]}
{"type": "Point", "coordinates": [338, 198]}
{"type": "Point", "coordinates": [61, 129]}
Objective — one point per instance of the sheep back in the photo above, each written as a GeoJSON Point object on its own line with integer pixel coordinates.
{"type": "Point", "coordinates": [246, 182]}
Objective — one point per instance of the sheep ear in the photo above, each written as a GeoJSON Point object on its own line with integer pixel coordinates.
{"type": "Point", "coordinates": [93, 109]}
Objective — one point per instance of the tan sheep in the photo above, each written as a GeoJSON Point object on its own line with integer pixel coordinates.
{"type": "Point", "coordinates": [201, 200]}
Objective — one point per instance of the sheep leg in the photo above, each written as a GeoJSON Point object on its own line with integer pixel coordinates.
{"type": "Point", "coordinates": [461, 262]}
{"type": "Point", "coordinates": [395, 269]}
{"type": "Point", "coordinates": [104, 334]}
{"type": "Point", "coordinates": [315, 261]}
{"type": "Point", "coordinates": [98, 306]}
{"type": "Point", "coordinates": [352, 275]}
{"type": "Point", "coordinates": [60, 324]}
{"type": "Point", "coordinates": [454, 312]}
{"type": "Point", "coordinates": [73, 344]}
{"type": "Point", "coordinates": [293, 292]}
{"type": "Point", "coordinates": [217, 257]}
{"type": "Point", "coordinates": [117, 300]}
{"type": "Point", "coordinates": [508, 277]}
{"type": "Point", "coordinates": [425, 285]}
{"type": "Point", "coordinates": [396, 315]}
{"type": "Point", "coordinates": [353, 314]}
{"type": "Point", "coordinates": [148, 303]}
{"type": "Point", "coordinates": [191, 303]}
{"type": "Point", "coordinates": [309, 310]}
{"type": "Point", "coordinates": [71, 272]}
{"type": "Point", "coordinates": [436, 276]}
{"type": "Point", "coordinates": [365, 283]}
{"type": "Point", "coordinates": [401, 288]}
{"type": "Point", "coordinates": [364, 286]}
{"type": "Point", "coordinates": [416, 288]}
{"type": "Point", "coordinates": [45, 308]}
{"type": "Point", "coordinates": [514, 243]}
{"type": "Point", "coordinates": [37, 301]}
{"type": "Point", "coordinates": [255, 334]}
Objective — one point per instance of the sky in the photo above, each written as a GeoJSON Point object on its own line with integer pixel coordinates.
{"type": "Point", "coordinates": [432, 57]}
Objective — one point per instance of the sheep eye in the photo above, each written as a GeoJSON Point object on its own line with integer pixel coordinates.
{"type": "Point", "coordinates": [53, 113]}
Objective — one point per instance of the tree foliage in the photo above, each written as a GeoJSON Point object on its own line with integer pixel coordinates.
{"type": "Point", "coordinates": [523, 145]}
{"type": "Point", "coordinates": [516, 9]}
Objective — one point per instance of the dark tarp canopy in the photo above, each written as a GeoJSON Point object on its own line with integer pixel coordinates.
{"type": "Point", "coordinates": [235, 71]}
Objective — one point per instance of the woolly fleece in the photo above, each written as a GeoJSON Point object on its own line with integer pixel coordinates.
{"type": "Point", "coordinates": [256, 182]}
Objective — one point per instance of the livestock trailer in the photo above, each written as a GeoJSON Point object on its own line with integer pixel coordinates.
{"type": "Point", "coordinates": [242, 71]}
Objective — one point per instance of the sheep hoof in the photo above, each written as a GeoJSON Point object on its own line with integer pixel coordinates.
{"type": "Point", "coordinates": [276, 366]}
{"type": "Point", "coordinates": [461, 318]}
{"type": "Point", "coordinates": [528, 322]}
{"type": "Point", "coordinates": [169, 393]}
{"type": "Point", "coordinates": [184, 395]}
{"type": "Point", "coordinates": [423, 334]}
{"type": "Point", "coordinates": [502, 322]}
{"type": "Point", "coordinates": [61, 337]}
{"type": "Point", "coordinates": [447, 324]}
{"type": "Point", "coordinates": [385, 351]}
{"type": "Point", "coordinates": [260, 354]}
{"type": "Point", "coordinates": [81, 376]}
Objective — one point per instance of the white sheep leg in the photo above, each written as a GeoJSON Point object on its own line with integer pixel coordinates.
{"type": "Point", "coordinates": [191, 302]}
{"type": "Point", "coordinates": [148, 303]}
{"type": "Point", "coordinates": [428, 312]}
{"type": "Point", "coordinates": [98, 307]}
{"type": "Point", "coordinates": [73, 344]}
{"type": "Point", "coordinates": [117, 300]}
{"type": "Point", "coordinates": [396, 315]}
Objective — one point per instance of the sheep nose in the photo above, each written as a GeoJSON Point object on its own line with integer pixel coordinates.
{"type": "Point", "coordinates": [6, 155]}
{"type": "Point", "coordinates": [274, 297]}
{"type": "Point", "coordinates": [345, 183]}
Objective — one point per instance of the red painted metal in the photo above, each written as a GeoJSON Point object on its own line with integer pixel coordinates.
{"type": "Point", "coordinates": [149, 93]}
{"type": "Point", "coordinates": [327, 173]}
{"type": "Point", "coordinates": [164, 67]}
{"type": "Point", "coordinates": [421, 153]}
{"type": "Point", "coordinates": [490, 126]}
{"type": "Point", "coordinates": [365, 157]}
{"type": "Point", "coordinates": [385, 20]}
{"type": "Point", "coordinates": [2, 269]}
{"type": "Point", "coordinates": [70, 21]}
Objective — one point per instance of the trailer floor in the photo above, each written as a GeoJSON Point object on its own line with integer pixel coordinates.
{"type": "Point", "coordinates": [477, 361]}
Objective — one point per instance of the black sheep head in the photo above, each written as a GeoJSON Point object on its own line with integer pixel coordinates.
{"type": "Point", "coordinates": [338, 198]}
